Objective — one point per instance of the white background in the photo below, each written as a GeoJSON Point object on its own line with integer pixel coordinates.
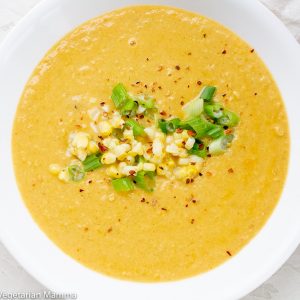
{"type": "Point", "coordinates": [284, 285]}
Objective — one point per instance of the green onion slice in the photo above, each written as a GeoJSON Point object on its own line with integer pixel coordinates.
{"type": "Point", "coordinates": [200, 125]}
{"type": "Point", "coordinates": [215, 132]}
{"type": "Point", "coordinates": [123, 184]}
{"type": "Point", "coordinates": [214, 111]}
{"type": "Point", "coordinates": [138, 130]}
{"type": "Point", "coordinates": [220, 145]}
{"type": "Point", "coordinates": [146, 101]}
{"type": "Point", "coordinates": [193, 108]}
{"type": "Point", "coordinates": [198, 149]}
{"type": "Point", "coordinates": [119, 95]}
{"type": "Point", "coordinates": [169, 126]}
{"type": "Point", "coordinates": [229, 119]}
{"type": "Point", "coordinates": [92, 162]}
{"type": "Point", "coordinates": [145, 180]}
{"type": "Point", "coordinates": [76, 173]}
{"type": "Point", "coordinates": [208, 93]}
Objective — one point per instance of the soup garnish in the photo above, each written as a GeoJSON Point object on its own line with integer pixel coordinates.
{"type": "Point", "coordinates": [137, 142]}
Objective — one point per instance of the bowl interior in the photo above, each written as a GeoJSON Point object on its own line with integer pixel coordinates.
{"type": "Point", "coordinates": [20, 53]}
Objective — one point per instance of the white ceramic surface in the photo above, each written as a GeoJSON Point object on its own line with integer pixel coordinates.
{"type": "Point", "coordinates": [18, 55]}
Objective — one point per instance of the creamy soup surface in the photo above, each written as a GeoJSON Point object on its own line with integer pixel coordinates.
{"type": "Point", "coordinates": [116, 233]}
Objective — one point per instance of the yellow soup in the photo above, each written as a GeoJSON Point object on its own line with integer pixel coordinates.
{"type": "Point", "coordinates": [180, 229]}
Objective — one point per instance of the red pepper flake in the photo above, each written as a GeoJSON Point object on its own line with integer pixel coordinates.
{"type": "Point", "coordinates": [228, 131]}
{"type": "Point", "coordinates": [230, 171]}
{"type": "Point", "coordinates": [161, 167]}
{"type": "Point", "coordinates": [191, 133]}
{"type": "Point", "coordinates": [119, 220]}
{"type": "Point", "coordinates": [204, 35]}
{"type": "Point", "coordinates": [201, 146]}
{"type": "Point", "coordinates": [109, 229]}
{"type": "Point", "coordinates": [192, 180]}
{"type": "Point", "coordinates": [186, 205]}
{"type": "Point", "coordinates": [229, 253]}
{"type": "Point", "coordinates": [75, 106]}
{"type": "Point", "coordinates": [146, 86]}
{"type": "Point", "coordinates": [190, 53]}
{"type": "Point", "coordinates": [132, 172]}
{"type": "Point", "coordinates": [102, 148]}
{"type": "Point", "coordinates": [81, 190]}
{"type": "Point", "coordinates": [179, 130]}
{"type": "Point", "coordinates": [192, 221]}
{"type": "Point", "coordinates": [187, 181]}
{"type": "Point", "coordinates": [193, 163]}
{"type": "Point", "coordinates": [224, 51]}
{"type": "Point", "coordinates": [208, 155]}
{"type": "Point", "coordinates": [224, 95]}
{"type": "Point", "coordinates": [163, 113]}
{"type": "Point", "coordinates": [147, 59]}
{"type": "Point", "coordinates": [163, 209]}
{"type": "Point", "coordinates": [252, 50]}
{"type": "Point", "coordinates": [200, 174]}
{"type": "Point", "coordinates": [177, 68]}
{"type": "Point", "coordinates": [160, 87]}
{"type": "Point", "coordinates": [160, 68]}
{"type": "Point", "coordinates": [181, 102]}
{"type": "Point", "coordinates": [90, 181]}
{"type": "Point", "coordinates": [102, 103]}
{"type": "Point", "coordinates": [149, 151]}
{"type": "Point", "coordinates": [199, 82]}
{"type": "Point", "coordinates": [188, 86]}
{"type": "Point", "coordinates": [194, 201]}
{"type": "Point", "coordinates": [255, 94]}
{"type": "Point", "coordinates": [86, 229]}
{"type": "Point", "coordinates": [143, 199]}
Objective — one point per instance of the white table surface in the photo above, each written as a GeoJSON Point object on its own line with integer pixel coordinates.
{"type": "Point", "coordinates": [284, 285]}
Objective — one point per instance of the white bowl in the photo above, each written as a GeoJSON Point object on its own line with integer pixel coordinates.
{"type": "Point", "coordinates": [21, 52]}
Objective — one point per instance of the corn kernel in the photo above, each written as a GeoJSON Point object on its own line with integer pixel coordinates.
{"type": "Point", "coordinates": [130, 170]}
{"type": "Point", "coordinates": [64, 175]}
{"type": "Point", "coordinates": [54, 169]}
{"type": "Point", "coordinates": [81, 154]}
{"type": "Point", "coordinates": [137, 148]}
{"type": "Point", "coordinates": [149, 167]}
{"type": "Point", "coordinates": [93, 147]}
{"type": "Point", "coordinates": [121, 150]}
{"type": "Point", "coordinates": [150, 131]}
{"type": "Point", "coordinates": [81, 140]}
{"type": "Point", "coordinates": [189, 143]}
{"type": "Point", "coordinates": [129, 159]}
{"type": "Point", "coordinates": [105, 129]}
{"type": "Point", "coordinates": [113, 171]}
{"type": "Point", "coordinates": [173, 149]}
{"type": "Point", "coordinates": [157, 147]}
{"type": "Point", "coordinates": [93, 113]}
{"type": "Point", "coordinates": [183, 161]}
{"type": "Point", "coordinates": [108, 158]}
{"type": "Point", "coordinates": [128, 134]}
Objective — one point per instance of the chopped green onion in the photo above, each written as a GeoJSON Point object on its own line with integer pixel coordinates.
{"type": "Point", "coordinates": [129, 108]}
{"type": "Point", "coordinates": [145, 180]}
{"type": "Point", "coordinates": [198, 149]}
{"type": "Point", "coordinates": [123, 184]}
{"type": "Point", "coordinates": [92, 162]}
{"type": "Point", "coordinates": [220, 145]}
{"type": "Point", "coordinates": [208, 93]}
{"type": "Point", "coordinates": [214, 111]}
{"type": "Point", "coordinates": [140, 159]}
{"type": "Point", "coordinates": [169, 126]}
{"type": "Point", "coordinates": [193, 108]}
{"type": "Point", "coordinates": [162, 124]}
{"type": "Point", "coordinates": [146, 101]}
{"type": "Point", "coordinates": [229, 119]}
{"type": "Point", "coordinates": [215, 132]}
{"type": "Point", "coordinates": [138, 130]}
{"type": "Point", "coordinates": [200, 125]}
{"type": "Point", "coordinates": [76, 173]}
{"type": "Point", "coordinates": [119, 95]}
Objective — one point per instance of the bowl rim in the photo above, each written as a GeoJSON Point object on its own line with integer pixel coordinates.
{"type": "Point", "coordinates": [178, 288]}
